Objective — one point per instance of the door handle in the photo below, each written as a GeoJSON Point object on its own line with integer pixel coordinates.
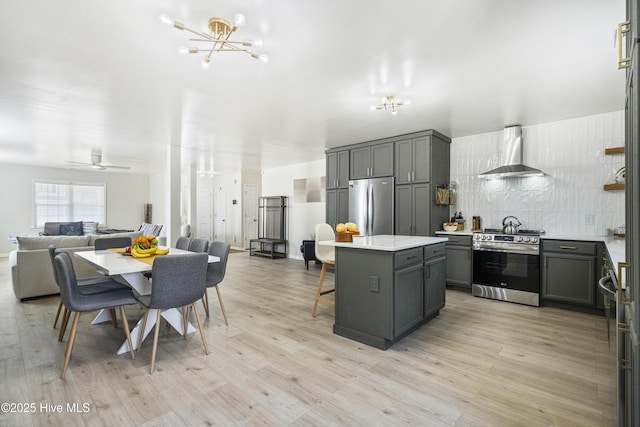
{"type": "Point", "coordinates": [623, 28]}
{"type": "Point", "coordinates": [573, 248]}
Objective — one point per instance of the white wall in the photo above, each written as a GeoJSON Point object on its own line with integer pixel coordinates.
{"type": "Point", "coordinates": [570, 152]}
{"type": "Point", "coordinates": [126, 196]}
{"type": "Point", "coordinates": [301, 217]}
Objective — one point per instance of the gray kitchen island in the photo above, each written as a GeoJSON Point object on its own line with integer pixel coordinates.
{"type": "Point", "coordinates": [387, 286]}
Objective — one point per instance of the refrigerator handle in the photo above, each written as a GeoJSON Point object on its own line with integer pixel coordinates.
{"type": "Point", "coordinates": [365, 209]}
{"type": "Point", "coordinates": [371, 211]}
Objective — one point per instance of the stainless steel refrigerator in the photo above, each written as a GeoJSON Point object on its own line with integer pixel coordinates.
{"type": "Point", "coordinates": [371, 205]}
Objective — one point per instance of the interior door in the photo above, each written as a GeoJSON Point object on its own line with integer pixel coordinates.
{"type": "Point", "coordinates": [220, 215]}
{"type": "Point", "coordinates": [203, 213]}
{"type": "Point", "coordinates": [250, 204]}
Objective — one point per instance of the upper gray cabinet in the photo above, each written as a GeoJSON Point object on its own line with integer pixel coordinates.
{"type": "Point", "coordinates": [413, 160]}
{"type": "Point", "coordinates": [372, 161]}
{"type": "Point", "coordinates": [338, 169]}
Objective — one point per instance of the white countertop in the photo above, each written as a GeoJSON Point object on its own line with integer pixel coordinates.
{"type": "Point", "coordinates": [386, 242]}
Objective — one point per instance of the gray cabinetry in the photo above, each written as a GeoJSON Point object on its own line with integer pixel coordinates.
{"type": "Point", "coordinates": [569, 272]}
{"type": "Point", "coordinates": [337, 206]}
{"type": "Point", "coordinates": [413, 202]}
{"type": "Point", "coordinates": [435, 268]}
{"type": "Point", "coordinates": [413, 160]}
{"type": "Point", "coordinates": [408, 294]}
{"type": "Point", "coordinates": [459, 261]}
{"type": "Point", "coordinates": [338, 169]}
{"type": "Point", "coordinates": [381, 296]}
{"type": "Point", "coordinates": [372, 161]}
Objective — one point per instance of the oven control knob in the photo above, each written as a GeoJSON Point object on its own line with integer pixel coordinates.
{"type": "Point", "coordinates": [489, 237]}
{"type": "Point", "coordinates": [519, 239]}
{"type": "Point", "coordinates": [483, 237]}
{"type": "Point", "coordinates": [526, 239]}
{"type": "Point", "coordinates": [534, 239]}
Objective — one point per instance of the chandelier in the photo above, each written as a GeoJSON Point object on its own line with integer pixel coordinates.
{"type": "Point", "coordinates": [389, 103]}
{"type": "Point", "coordinates": [218, 38]}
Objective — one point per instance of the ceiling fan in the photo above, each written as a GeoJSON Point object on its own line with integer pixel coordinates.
{"type": "Point", "coordinates": [97, 163]}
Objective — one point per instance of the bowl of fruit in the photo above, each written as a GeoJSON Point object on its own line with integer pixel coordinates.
{"type": "Point", "coordinates": [345, 232]}
{"type": "Point", "coordinates": [450, 226]}
{"type": "Point", "coordinates": [145, 246]}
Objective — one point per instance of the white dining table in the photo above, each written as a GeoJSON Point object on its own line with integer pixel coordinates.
{"type": "Point", "coordinates": [130, 271]}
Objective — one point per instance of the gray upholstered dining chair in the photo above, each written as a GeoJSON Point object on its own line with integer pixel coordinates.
{"type": "Point", "coordinates": [87, 286]}
{"type": "Point", "coordinates": [199, 245]}
{"type": "Point", "coordinates": [183, 243]}
{"type": "Point", "coordinates": [178, 281]}
{"type": "Point", "coordinates": [215, 274]}
{"type": "Point", "coordinates": [78, 303]}
{"type": "Point", "coordinates": [112, 242]}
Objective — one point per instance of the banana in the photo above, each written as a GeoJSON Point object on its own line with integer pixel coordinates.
{"type": "Point", "coordinates": [162, 251]}
{"type": "Point", "coordinates": [137, 254]}
{"type": "Point", "coordinates": [149, 251]}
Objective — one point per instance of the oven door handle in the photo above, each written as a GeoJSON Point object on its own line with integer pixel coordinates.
{"type": "Point", "coordinates": [526, 251]}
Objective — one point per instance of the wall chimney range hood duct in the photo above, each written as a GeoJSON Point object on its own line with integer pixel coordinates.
{"type": "Point", "coordinates": [513, 168]}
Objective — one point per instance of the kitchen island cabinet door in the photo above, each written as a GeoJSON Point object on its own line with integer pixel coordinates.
{"type": "Point", "coordinates": [407, 298]}
{"type": "Point", "coordinates": [434, 286]}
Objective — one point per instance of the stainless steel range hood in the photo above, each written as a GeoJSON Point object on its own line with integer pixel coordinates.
{"type": "Point", "coordinates": [514, 168]}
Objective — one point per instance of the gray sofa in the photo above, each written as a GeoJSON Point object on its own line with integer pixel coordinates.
{"type": "Point", "coordinates": [30, 265]}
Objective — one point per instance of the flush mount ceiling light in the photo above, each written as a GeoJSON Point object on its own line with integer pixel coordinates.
{"type": "Point", "coordinates": [218, 38]}
{"type": "Point", "coordinates": [390, 103]}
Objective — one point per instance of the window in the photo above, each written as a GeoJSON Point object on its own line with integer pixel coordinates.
{"type": "Point", "coordinates": [68, 201]}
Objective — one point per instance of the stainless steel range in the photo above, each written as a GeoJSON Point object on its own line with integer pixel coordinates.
{"type": "Point", "coordinates": [506, 267]}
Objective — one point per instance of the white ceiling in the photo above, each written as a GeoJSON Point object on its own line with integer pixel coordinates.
{"type": "Point", "coordinates": [83, 75]}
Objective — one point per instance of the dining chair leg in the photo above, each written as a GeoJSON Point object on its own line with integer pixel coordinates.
{"type": "Point", "coordinates": [72, 338]}
{"type": "Point", "coordinates": [224, 313]}
{"type": "Point", "coordinates": [55, 321]}
{"type": "Point", "coordinates": [144, 325]}
{"type": "Point", "coordinates": [185, 317]}
{"type": "Point", "coordinates": [114, 319]}
{"type": "Point", "coordinates": [204, 340]}
{"type": "Point", "coordinates": [155, 343]}
{"type": "Point", "coordinates": [125, 325]}
{"type": "Point", "coordinates": [63, 324]}
{"type": "Point", "coordinates": [205, 302]}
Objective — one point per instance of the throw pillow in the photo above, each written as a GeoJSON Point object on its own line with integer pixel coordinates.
{"type": "Point", "coordinates": [89, 227]}
{"type": "Point", "coordinates": [71, 229]}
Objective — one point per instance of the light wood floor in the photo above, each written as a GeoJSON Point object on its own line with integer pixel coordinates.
{"type": "Point", "coordinates": [480, 363]}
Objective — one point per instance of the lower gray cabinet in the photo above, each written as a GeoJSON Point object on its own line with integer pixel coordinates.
{"type": "Point", "coordinates": [407, 299]}
{"type": "Point", "coordinates": [569, 272]}
{"type": "Point", "coordinates": [435, 269]}
{"type": "Point", "coordinates": [381, 296]}
{"type": "Point", "coordinates": [459, 261]}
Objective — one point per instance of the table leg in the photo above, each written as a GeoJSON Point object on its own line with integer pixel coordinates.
{"type": "Point", "coordinates": [172, 316]}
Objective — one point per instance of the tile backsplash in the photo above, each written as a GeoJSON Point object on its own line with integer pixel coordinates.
{"type": "Point", "coordinates": [569, 199]}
